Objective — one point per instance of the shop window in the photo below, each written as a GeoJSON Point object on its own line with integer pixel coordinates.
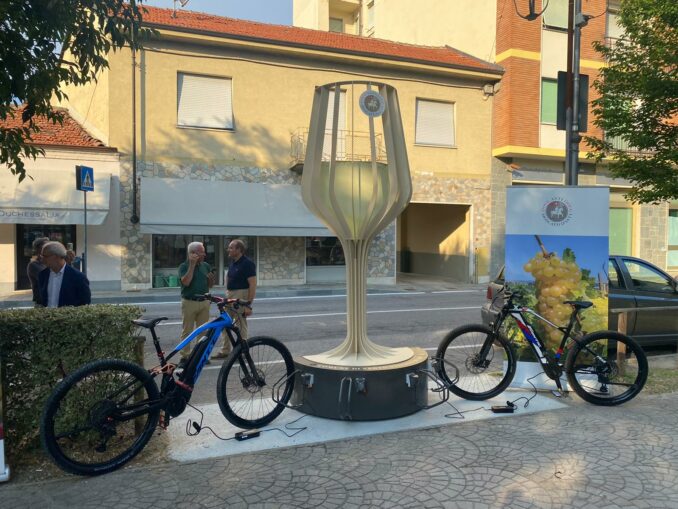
{"type": "Point", "coordinates": [324, 251]}
{"type": "Point", "coordinates": [336, 25]}
{"type": "Point", "coordinates": [204, 101]}
{"type": "Point", "coordinates": [549, 101]}
{"type": "Point", "coordinates": [169, 251]}
{"type": "Point", "coordinates": [672, 256]}
{"type": "Point", "coordinates": [621, 230]}
{"type": "Point", "coordinates": [435, 123]}
{"type": "Point", "coordinates": [555, 15]}
{"type": "Point", "coordinates": [26, 234]}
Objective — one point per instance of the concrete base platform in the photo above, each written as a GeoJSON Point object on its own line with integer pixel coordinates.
{"type": "Point", "coordinates": [293, 428]}
{"type": "Point", "coordinates": [361, 393]}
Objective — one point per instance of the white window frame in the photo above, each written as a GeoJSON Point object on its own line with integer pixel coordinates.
{"type": "Point", "coordinates": [422, 137]}
{"type": "Point", "coordinates": [196, 92]}
{"type": "Point", "coordinates": [545, 16]}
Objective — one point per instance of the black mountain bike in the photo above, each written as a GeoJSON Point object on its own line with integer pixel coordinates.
{"type": "Point", "coordinates": [103, 414]}
{"type": "Point", "coordinates": [604, 367]}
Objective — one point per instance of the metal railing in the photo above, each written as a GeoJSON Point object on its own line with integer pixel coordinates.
{"type": "Point", "coordinates": [622, 328]}
{"type": "Point", "coordinates": [351, 146]}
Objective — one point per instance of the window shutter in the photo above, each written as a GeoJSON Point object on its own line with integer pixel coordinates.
{"type": "Point", "coordinates": [435, 123]}
{"type": "Point", "coordinates": [341, 127]}
{"type": "Point", "coordinates": [204, 102]}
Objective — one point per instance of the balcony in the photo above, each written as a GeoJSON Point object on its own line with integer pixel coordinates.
{"type": "Point", "coordinates": [351, 146]}
{"type": "Point", "coordinates": [619, 143]}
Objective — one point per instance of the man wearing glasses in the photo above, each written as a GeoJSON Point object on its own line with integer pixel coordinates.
{"type": "Point", "coordinates": [60, 284]}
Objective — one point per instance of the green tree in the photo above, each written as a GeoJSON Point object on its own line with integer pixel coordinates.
{"type": "Point", "coordinates": [45, 44]}
{"type": "Point", "coordinates": [638, 101]}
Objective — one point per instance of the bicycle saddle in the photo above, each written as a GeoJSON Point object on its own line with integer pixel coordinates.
{"type": "Point", "coordinates": [149, 323]}
{"type": "Point", "coordinates": [579, 304]}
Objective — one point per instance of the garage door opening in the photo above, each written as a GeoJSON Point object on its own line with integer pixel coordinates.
{"type": "Point", "coordinates": [435, 239]}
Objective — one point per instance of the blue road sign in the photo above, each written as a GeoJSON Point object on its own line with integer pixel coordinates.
{"type": "Point", "coordinates": [84, 178]}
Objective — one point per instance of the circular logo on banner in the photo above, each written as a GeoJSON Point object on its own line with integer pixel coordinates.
{"type": "Point", "coordinates": [372, 103]}
{"type": "Point", "coordinates": [557, 211]}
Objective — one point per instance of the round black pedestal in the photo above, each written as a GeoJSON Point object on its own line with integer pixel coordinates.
{"type": "Point", "coordinates": [361, 393]}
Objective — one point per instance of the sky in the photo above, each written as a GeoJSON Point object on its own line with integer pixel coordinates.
{"type": "Point", "coordinates": [278, 12]}
{"type": "Point", "coordinates": [590, 253]}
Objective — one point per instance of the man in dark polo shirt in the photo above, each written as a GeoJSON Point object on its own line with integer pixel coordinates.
{"type": "Point", "coordinates": [241, 284]}
{"type": "Point", "coordinates": [196, 278]}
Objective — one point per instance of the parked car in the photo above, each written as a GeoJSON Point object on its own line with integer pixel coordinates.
{"type": "Point", "coordinates": [633, 283]}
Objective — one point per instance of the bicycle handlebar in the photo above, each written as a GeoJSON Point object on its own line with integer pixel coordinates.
{"type": "Point", "coordinates": [223, 302]}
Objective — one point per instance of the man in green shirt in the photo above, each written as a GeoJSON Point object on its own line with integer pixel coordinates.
{"type": "Point", "coordinates": [196, 277]}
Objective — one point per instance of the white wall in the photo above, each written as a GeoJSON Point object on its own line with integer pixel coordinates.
{"type": "Point", "coordinates": [103, 240]}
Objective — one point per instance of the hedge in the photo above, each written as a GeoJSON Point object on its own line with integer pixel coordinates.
{"type": "Point", "coordinates": [38, 347]}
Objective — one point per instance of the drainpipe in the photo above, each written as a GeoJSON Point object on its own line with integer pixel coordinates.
{"type": "Point", "coordinates": [135, 216]}
{"type": "Point", "coordinates": [360, 17]}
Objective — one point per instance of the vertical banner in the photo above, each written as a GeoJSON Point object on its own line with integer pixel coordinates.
{"type": "Point", "coordinates": [557, 249]}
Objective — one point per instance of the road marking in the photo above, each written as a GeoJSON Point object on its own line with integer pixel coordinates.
{"type": "Point", "coordinates": [315, 315]}
{"type": "Point", "coordinates": [212, 367]}
{"type": "Point", "coordinates": [296, 297]}
{"type": "Point", "coordinates": [459, 291]}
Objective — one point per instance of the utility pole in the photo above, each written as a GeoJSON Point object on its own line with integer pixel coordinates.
{"type": "Point", "coordinates": [575, 21]}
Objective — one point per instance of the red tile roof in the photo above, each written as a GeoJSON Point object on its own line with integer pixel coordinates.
{"type": "Point", "coordinates": [318, 39]}
{"type": "Point", "coordinates": [68, 134]}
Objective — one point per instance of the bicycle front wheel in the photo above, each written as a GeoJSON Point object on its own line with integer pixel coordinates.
{"type": "Point", "coordinates": [475, 362]}
{"type": "Point", "coordinates": [607, 368]}
{"type": "Point", "coordinates": [85, 426]}
{"type": "Point", "coordinates": [255, 383]}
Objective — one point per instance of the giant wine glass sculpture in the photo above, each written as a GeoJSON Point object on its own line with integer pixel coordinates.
{"type": "Point", "coordinates": [357, 195]}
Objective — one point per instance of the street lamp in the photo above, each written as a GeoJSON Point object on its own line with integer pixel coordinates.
{"type": "Point", "coordinates": [575, 21]}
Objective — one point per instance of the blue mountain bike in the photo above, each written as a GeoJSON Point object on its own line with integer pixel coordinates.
{"type": "Point", "coordinates": [103, 414]}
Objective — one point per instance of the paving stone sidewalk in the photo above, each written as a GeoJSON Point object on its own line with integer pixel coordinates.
{"type": "Point", "coordinates": [580, 456]}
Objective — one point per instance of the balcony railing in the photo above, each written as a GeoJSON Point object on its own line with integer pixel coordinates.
{"type": "Point", "coordinates": [619, 143]}
{"type": "Point", "coordinates": [351, 146]}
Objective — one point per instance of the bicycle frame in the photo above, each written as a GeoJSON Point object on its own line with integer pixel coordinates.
{"type": "Point", "coordinates": [552, 368]}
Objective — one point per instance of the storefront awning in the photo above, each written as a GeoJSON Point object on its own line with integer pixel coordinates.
{"type": "Point", "coordinates": [205, 207]}
{"type": "Point", "coordinates": [50, 197]}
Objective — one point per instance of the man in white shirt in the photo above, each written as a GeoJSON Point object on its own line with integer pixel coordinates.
{"type": "Point", "coordinates": [60, 284]}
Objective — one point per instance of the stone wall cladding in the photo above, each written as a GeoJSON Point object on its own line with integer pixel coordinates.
{"type": "Point", "coordinates": [654, 233]}
{"type": "Point", "coordinates": [381, 257]}
{"type": "Point", "coordinates": [136, 247]}
{"type": "Point", "coordinates": [499, 181]}
{"type": "Point", "coordinates": [281, 259]}
{"type": "Point", "coordinates": [429, 188]}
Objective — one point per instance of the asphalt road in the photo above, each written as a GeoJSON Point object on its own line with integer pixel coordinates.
{"type": "Point", "coordinates": [311, 325]}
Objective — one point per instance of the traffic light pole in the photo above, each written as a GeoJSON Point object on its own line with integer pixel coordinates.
{"type": "Point", "coordinates": [572, 114]}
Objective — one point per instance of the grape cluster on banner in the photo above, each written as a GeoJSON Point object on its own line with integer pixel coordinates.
{"type": "Point", "coordinates": [557, 249]}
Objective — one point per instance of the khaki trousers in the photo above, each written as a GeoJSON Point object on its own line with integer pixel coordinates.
{"type": "Point", "coordinates": [193, 314]}
{"type": "Point", "coordinates": [238, 318]}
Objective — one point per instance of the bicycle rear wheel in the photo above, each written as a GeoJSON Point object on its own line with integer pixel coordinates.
{"type": "Point", "coordinates": [607, 368]}
{"type": "Point", "coordinates": [246, 397]}
{"type": "Point", "coordinates": [470, 374]}
{"type": "Point", "coordinates": [84, 427]}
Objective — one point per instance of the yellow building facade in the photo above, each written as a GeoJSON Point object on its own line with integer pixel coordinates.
{"type": "Point", "coordinates": [212, 114]}
{"type": "Point", "coordinates": [527, 147]}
